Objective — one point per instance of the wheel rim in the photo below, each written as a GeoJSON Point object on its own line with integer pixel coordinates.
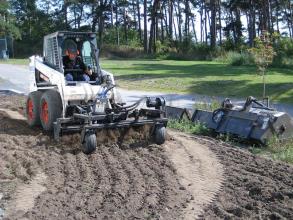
{"type": "Point", "coordinates": [45, 112]}
{"type": "Point", "coordinates": [30, 109]}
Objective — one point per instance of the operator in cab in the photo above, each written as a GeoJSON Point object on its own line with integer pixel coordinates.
{"type": "Point", "coordinates": [72, 61]}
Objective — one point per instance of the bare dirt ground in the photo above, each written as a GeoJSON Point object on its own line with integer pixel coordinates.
{"type": "Point", "coordinates": [187, 178]}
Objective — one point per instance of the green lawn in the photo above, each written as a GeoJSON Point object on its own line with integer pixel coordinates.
{"type": "Point", "coordinates": [16, 61]}
{"type": "Point", "coordinates": [201, 77]}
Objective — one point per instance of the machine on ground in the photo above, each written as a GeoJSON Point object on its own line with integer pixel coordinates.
{"type": "Point", "coordinates": [64, 106]}
{"type": "Point", "coordinates": [252, 121]}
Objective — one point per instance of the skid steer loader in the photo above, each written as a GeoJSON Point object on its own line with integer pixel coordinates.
{"type": "Point", "coordinates": [86, 105]}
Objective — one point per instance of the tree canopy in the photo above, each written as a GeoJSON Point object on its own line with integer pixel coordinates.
{"type": "Point", "coordinates": [148, 23]}
{"type": "Point", "coordinates": [7, 21]}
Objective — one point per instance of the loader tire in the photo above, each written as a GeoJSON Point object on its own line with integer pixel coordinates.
{"type": "Point", "coordinates": [89, 144]}
{"type": "Point", "coordinates": [160, 135]}
{"type": "Point", "coordinates": [50, 109]}
{"type": "Point", "coordinates": [32, 108]}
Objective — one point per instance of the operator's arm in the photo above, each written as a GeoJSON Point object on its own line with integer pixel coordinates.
{"type": "Point", "coordinates": [66, 62]}
{"type": "Point", "coordinates": [84, 68]}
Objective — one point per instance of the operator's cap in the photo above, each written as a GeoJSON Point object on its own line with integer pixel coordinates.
{"type": "Point", "coordinates": [72, 50]}
{"type": "Point", "coordinates": [70, 46]}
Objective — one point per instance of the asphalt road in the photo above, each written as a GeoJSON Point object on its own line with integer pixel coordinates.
{"type": "Point", "coordinates": [18, 78]}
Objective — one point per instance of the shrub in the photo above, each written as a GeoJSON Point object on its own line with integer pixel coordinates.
{"type": "Point", "coordinates": [208, 106]}
{"type": "Point", "coordinates": [235, 58]}
{"type": "Point", "coordinates": [188, 126]}
{"type": "Point", "coordinates": [192, 52]}
{"type": "Point", "coordinates": [122, 51]}
{"type": "Point", "coordinates": [281, 149]}
{"type": "Point", "coordinates": [283, 47]}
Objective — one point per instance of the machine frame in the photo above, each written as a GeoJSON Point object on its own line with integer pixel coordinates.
{"type": "Point", "coordinates": [79, 106]}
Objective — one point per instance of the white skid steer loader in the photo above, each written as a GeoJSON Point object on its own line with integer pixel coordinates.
{"type": "Point", "coordinates": [65, 99]}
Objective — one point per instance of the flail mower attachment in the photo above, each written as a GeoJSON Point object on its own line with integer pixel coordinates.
{"type": "Point", "coordinates": [252, 121]}
{"type": "Point", "coordinates": [88, 121]}
{"type": "Point", "coordinates": [177, 113]}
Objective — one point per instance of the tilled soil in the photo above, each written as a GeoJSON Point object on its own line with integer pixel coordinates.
{"type": "Point", "coordinates": [187, 178]}
{"type": "Point", "coordinates": [254, 187]}
{"type": "Point", "coordinates": [112, 183]}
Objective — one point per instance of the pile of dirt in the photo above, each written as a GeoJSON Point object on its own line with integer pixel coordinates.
{"type": "Point", "coordinates": [186, 178]}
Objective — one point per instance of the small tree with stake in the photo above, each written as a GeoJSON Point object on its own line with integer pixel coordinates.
{"type": "Point", "coordinates": [263, 54]}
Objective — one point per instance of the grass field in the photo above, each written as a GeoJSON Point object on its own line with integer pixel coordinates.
{"type": "Point", "coordinates": [16, 61]}
{"type": "Point", "coordinates": [201, 77]}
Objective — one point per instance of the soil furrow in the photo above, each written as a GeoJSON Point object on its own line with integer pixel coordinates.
{"type": "Point", "coordinates": [119, 187]}
{"type": "Point", "coordinates": [134, 197]}
{"type": "Point", "coordinates": [102, 184]}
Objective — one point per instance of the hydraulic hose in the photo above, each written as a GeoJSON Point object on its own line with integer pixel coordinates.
{"type": "Point", "coordinates": [132, 106]}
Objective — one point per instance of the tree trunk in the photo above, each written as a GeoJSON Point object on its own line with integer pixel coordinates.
{"type": "Point", "coordinates": [220, 21]}
{"type": "Point", "coordinates": [125, 27]}
{"type": "Point", "coordinates": [152, 41]}
{"type": "Point", "coordinates": [238, 26]}
{"type": "Point", "coordinates": [151, 38]}
{"type": "Point", "coordinates": [252, 33]}
{"type": "Point", "coordinates": [145, 31]}
{"type": "Point", "coordinates": [277, 15]}
{"type": "Point", "coordinates": [162, 29]}
{"type": "Point", "coordinates": [112, 23]}
{"type": "Point", "coordinates": [95, 19]}
{"type": "Point", "coordinates": [175, 31]}
{"type": "Point", "coordinates": [186, 18]}
{"type": "Point", "coordinates": [288, 22]}
{"type": "Point", "coordinates": [101, 30]}
{"type": "Point", "coordinates": [179, 21]}
{"type": "Point", "coordinates": [134, 15]}
{"type": "Point", "coordinates": [201, 22]}
{"type": "Point", "coordinates": [166, 20]}
{"type": "Point", "coordinates": [193, 28]}
{"type": "Point", "coordinates": [271, 17]}
{"type": "Point", "coordinates": [139, 24]}
{"type": "Point", "coordinates": [117, 28]}
{"type": "Point", "coordinates": [205, 25]}
{"type": "Point", "coordinates": [170, 7]}
{"type": "Point", "coordinates": [213, 24]}
{"type": "Point", "coordinates": [80, 7]}
{"type": "Point", "coordinates": [75, 17]}
{"type": "Point", "coordinates": [291, 18]}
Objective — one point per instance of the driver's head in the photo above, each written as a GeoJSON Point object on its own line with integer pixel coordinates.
{"type": "Point", "coordinates": [70, 49]}
{"type": "Point", "coordinates": [72, 53]}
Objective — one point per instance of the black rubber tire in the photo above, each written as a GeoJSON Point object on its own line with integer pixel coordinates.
{"type": "Point", "coordinates": [33, 119]}
{"type": "Point", "coordinates": [89, 144]}
{"type": "Point", "coordinates": [54, 105]}
{"type": "Point", "coordinates": [160, 135]}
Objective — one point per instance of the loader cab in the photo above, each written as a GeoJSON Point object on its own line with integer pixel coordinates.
{"type": "Point", "coordinates": [56, 47]}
